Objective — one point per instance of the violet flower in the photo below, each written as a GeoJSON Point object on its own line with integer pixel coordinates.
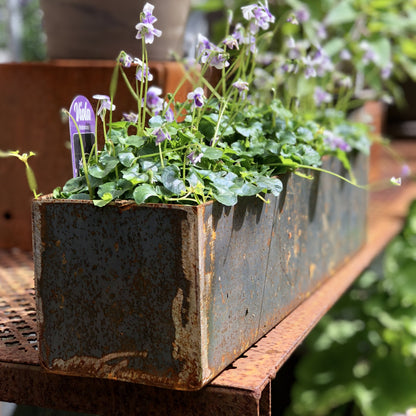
{"type": "Point", "coordinates": [321, 31]}
{"type": "Point", "coordinates": [153, 99]}
{"type": "Point", "coordinates": [239, 34]}
{"type": "Point", "coordinates": [322, 62]}
{"type": "Point", "coordinates": [244, 38]}
{"type": "Point", "coordinates": [292, 19]}
{"type": "Point", "coordinates": [194, 159]}
{"type": "Point", "coordinates": [211, 54]}
{"type": "Point", "coordinates": [386, 71]}
{"type": "Point", "coordinates": [258, 15]}
{"type": "Point", "coordinates": [321, 96]}
{"type": "Point", "coordinates": [143, 73]}
{"type": "Point", "coordinates": [296, 49]}
{"type": "Point", "coordinates": [406, 171]}
{"type": "Point", "coordinates": [335, 142]}
{"type": "Point", "coordinates": [197, 96]}
{"type": "Point", "coordinates": [345, 55]}
{"type": "Point", "coordinates": [369, 54]}
{"type": "Point", "coordinates": [310, 71]}
{"type": "Point", "coordinates": [125, 59]}
{"type": "Point", "coordinates": [161, 135]}
{"type": "Point", "coordinates": [104, 104]}
{"type": "Point", "coordinates": [230, 42]}
{"type": "Point", "coordinates": [131, 117]}
{"type": "Point", "coordinates": [242, 87]}
{"type": "Point", "coordinates": [169, 114]}
{"type": "Point", "coordinates": [302, 15]}
{"type": "Point", "coordinates": [145, 28]}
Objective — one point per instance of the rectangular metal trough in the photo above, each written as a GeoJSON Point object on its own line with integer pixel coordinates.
{"type": "Point", "coordinates": [170, 295]}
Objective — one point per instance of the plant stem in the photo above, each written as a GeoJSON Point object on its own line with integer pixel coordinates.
{"type": "Point", "coordinates": [84, 162]}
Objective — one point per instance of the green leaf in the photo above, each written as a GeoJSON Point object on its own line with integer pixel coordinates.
{"type": "Point", "coordinates": [207, 128]}
{"type": "Point", "coordinates": [143, 192]}
{"type": "Point", "coordinates": [309, 155]}
{"type": "Point", "coordinates": [135, 175]}
{"type": "Point", "coordinates": [334, 46]}
{"type": "Point", "coordinates": [75, 185]}
{"type": "Point", "coordinates": [193, 179]}
{"type": "Point", "coordinates": [172, 181]}
{"type": "Point", "coordinates": [81, 196]}
{"type": "Point", "coordinates": [247, 189]}
{"type": "Point", "coordinates": [108, 164]}
{"type": "Point", "coordinates": [343, 12]}
{"type": "Point", "coordinates": [114, 189]}
{"type": "Point", "coordinates": [253, 130]}
{"type": "Point", "coordinates": [212, 153]}
{"type": "Point", "coordinates": [305, 134]}
{"type": "Point", "coordinates": [286, 137]}
{"type": "Point", "coordinates": [135, 141]}
{"type": "Point", "coordinates": [273, 147]}
{"type": "Point", "coordinates": [102, 202]}
{"type": "Point", "coordinates": [272, 184]}
{"type": "Point", "coordinates": [225, 196]}
{"type": "Point", "coordinates": [126, 158]}
{"type": "Point", "coordinates": [156, 121]}
{"type": "Point", "coordinates": [382, 48]}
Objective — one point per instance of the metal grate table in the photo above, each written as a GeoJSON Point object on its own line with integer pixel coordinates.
{"type": "Point", "coordinates": [242, 389]}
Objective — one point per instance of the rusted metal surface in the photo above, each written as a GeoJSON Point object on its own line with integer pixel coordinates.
{"type": "Point", "coordinates": [268, 258]}
{"type": "Point", "coordinates": [17, 309]}
{"type": "Point", "coordinates": [170, 295]}
{"type": "Point", "coordinates": [24, 381]}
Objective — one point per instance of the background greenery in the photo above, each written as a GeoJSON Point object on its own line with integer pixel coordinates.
{"type": "Point", "coordinates": [33, 46]}
{"type": "Point", "coordinates": [361, 358]}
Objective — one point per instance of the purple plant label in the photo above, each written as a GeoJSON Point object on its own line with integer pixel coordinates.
{"type": "Point", "coordinates": [83, 119]}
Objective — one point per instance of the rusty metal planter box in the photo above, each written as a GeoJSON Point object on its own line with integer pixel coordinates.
{"type": "Point", "coordinates": [169, 295]}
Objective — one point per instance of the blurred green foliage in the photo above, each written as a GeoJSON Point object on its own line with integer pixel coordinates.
{"type": "Point", "coordinates": [34, 39]}
{"type": "Point", "coordinates": [33, 45]}
{"type": "Point", "coordinates": [361, 358]}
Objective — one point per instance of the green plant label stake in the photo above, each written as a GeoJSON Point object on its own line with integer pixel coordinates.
{"type": "Point", "coordinates": [81, 128]}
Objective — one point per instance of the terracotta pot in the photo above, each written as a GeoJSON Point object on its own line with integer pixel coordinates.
{"type": "Point", "coordinates": [100, 29]}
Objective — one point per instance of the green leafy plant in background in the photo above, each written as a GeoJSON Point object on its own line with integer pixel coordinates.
{"type": "Point", "coordinates": [34, 38]}
{"type": "Point", "coordinates": [361, 358]}
{"type": "Point", "coordinates": [373, 41]}
{"type": "Point", "coordinates": [31, 37]}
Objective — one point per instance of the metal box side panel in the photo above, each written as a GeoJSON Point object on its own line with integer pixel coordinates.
{"type": "Point", "coordinates": [267, 258]}
{"type": "Point", "coordinates": [117, 294]}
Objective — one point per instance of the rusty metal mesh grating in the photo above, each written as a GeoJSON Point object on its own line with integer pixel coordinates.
{"type": "Point", "coordinates": [18, 340]}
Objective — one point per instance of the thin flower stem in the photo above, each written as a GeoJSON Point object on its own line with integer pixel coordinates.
{"type": "Point", "coordinates": [162, 152]}
{"type": "Point", "coordinates": [81, 144]}
{"type": "Point", "coordinates": [161, 155]}
{"type": "Point", "coordinates": [222, 109]}
{"type": "Point", "coordinates": [145, 84]}
{"type": "Point", "coordinates": [113, 89]}
{"type": "Point", "coordinates": [96, 135]}
{"type": "Point", "coordinates": [343, 178]}
{"type": "Point", "coordinates": [128, 85]}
